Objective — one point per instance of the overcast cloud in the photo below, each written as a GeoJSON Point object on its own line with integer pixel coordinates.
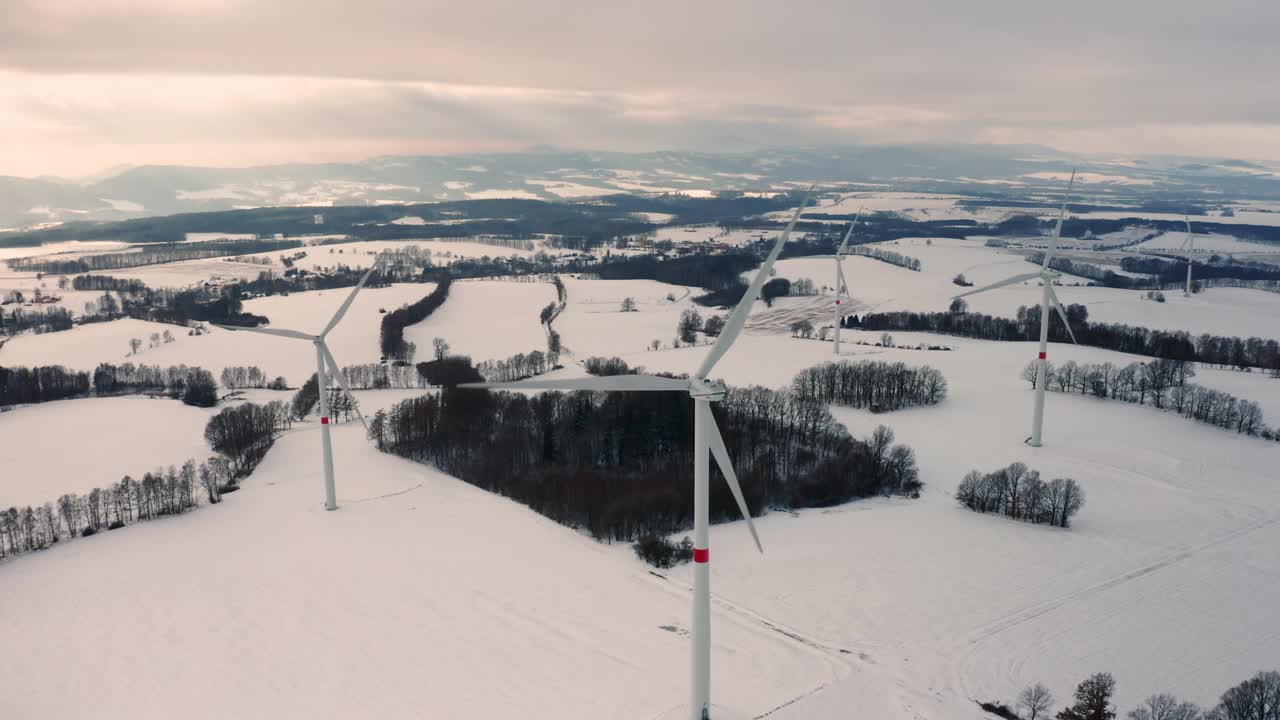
{"type": "Point", "coordinates": [87, 84]}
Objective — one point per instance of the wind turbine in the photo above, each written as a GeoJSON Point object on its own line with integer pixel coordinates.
{"type": "Point", "coordinates": [1189, 246]}
{"type": "Point", "coordinates": [706, 441]}
{"type": "Point", "coordinates": [1049, 299]}
{"type": "Point", "coordinates": [323, 358]}
{"type": "Point", "coordinates": [842, 288]}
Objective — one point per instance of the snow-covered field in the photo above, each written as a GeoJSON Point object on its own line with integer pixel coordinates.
{"type": "Point", "coordinates": [71, 446]}
{"type": "Point", "coordinates": [879, 287]}
{"type": "Point", "coordinates": [487, 320]}
{"type": "Point", "coordinates": [593, 322]}
{"type": "Point", "coordinates": [425, 597]}
{"type": "Point", "coordinates": [354, 341]}
{"type": "Point", "coordinates": [1211, 243]}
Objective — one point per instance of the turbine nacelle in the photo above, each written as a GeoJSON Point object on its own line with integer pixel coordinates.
{"type": "Point", "coordinates": [703, 389]}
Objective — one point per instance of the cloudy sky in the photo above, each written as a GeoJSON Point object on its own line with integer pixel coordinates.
{"type": "Point", "coordinates": [90, 84]}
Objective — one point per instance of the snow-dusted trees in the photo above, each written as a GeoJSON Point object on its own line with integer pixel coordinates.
{"type": "Point", "coordinates": [1161, 382]}
{"type": "Point", "coordinates": [392, 340]}
{"type": "Point", "coordinates": [516, 367]}
{"type": "Point", "coordinates": [689, 326]}
{"type": "Point", "coordinates": [886, 256]}
{"type": "Point", "coordinates": [1018, 492]}
{"type": "Point", "coordinates": [615, 464]}
{"type": "Point", "coordinates": [40, 384]}
{"type": "Point", "coordinates": [881, 386]}
{"type": "Point", "coordinates": [240, 377]}
{"type": "Point", "coordinates": [628, 304]}
{"type": "Point", "coordinates": [157, 494]}
{"type": "Point", "coordinates": [1092, 700]}
{"type": "Point", "coordinates": [244, 433]}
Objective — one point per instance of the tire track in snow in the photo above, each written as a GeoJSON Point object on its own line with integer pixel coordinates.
{"type": "Point", "coordinates": [994, 628]}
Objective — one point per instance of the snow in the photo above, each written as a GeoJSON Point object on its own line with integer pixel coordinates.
{"type": "Point", "coordinates": [656, 218]}
{"type": "Point", "coordinates": [968, 606]}
{"type": "Point", "coordinates": [1089, 178]}
{"type": "Point", "coordinates": [39, 468]}
{"type": "Point", "coordinates": [354, 341]}
{"type": "Point", "coordinates": [502, 194]}
{"type": "Point", "coordinates": [911, 205]}
{"type": "Point", "coordinates": [70, 246]}
{"type": "Point", "coordinates": [344, 614]}
{"type": "Point", "coordinates": [510, 322]}
{"type": "Point", "coordinates": [879, 287]}
{"type": "Point", "coordinates": [887, 608]}
{"type": "Point", "coordinates": [1205, 244]}
{"type": "Point", "coordinates": [409, 220]}
{"type": "Point", "coordinates": [593, 322]}
{"type": "Point", "coordinates": [571, 190]}
{"type": "Point", "coordinates": [207, 236]}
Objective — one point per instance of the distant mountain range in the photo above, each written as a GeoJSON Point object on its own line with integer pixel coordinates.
{"type": "Point", "coordinates": [551, 174]}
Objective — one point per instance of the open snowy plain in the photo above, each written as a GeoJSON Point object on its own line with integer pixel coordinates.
{"type": "Point", "coordinates": [423, 596]}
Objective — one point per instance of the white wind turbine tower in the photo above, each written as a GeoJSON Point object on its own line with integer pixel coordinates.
{"type": "Point", "coordinates": [706, 440]}
{"type": "Point", "coordinates": [1188, 246]}
{"type": "Point", "coordinates": [1049, 299]}
{"type": "Point", "coordinates": [323, 358]}
{"type": "Point", "coordinates": [842, 287]}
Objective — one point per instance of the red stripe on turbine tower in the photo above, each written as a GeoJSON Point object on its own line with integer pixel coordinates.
{"type": "Point", "coordinates": [1044, 356]}
{"type": "Point", "coordinates": [324, 421]}
{"type": "Point", "coordinates": [701, 555]}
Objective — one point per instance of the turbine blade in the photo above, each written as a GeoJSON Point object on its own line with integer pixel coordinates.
{"type": "Point", "coordinates": [1187, 244]}
{"type": "Point", "coordinates": [716, 442]}
{"type": "Point", "coordinates": [844, 284]}
{"type": "Point", "coordinates": [268, 331]}
{"type": "Point", "coordinates": [620, 383]}
{"type": "Point", "coordinates": [852, 225]}
{"type": "Point", "coordinates": [1057, 231]}
{"type": "Point", "coordinates": [1007, 281]}
{"type": "Point", "coordinates": [738, 317]}
{"type": "Point", "coordinates": [337, 375]}
{"type": "Point", "coordinates": [346, 304]}
{"type": "Point", "coordinates": [1053, 296]}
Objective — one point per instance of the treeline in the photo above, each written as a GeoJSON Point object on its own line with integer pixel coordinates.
{"type": "Point", "coordinates": [108, 283]}
{"type": "Point", "coordinates": [886, 256]}
{"type": "Point", "coordinates": [875, 384]}
{"type": "Point", "coordinates": [605, 366]}
{"type": "Point", "coordinates": [244, 433]}
{"type": "Point", "coordinates": [392, 340]}
{"type": "Point", "coordinates": [712, 272]}
{"type": "Point", "coordinates": [193, 385]}
{"type": "Point", "coordinates": [1257, 698]}
{"type": "Point", "coordinates": [1162, 273]}
{"type": "Point", "coordinates": [241, 434]}
{"type": "Point", "coordinates": [379, 376]}
{"type": "Point", "coordinates": [516, 367]}
{"type": "Point", "coordinates": [1164, 384]}
{"type": "Point", "coordinates": [1017, 492]}
{"type": "Point", "coordinates": [155, 254]}
{"type": "Point", "coordinates": [244, 377]}
{"type": "Point", "coordinates": [1240, 353]}
{"type": "Point", "coordinates": [44, 320]}
{"type": "Point", "coordinates": [619, 465]}
{"type": "Point", "coordinates": [154, 495]}
{"type": "Point", "coordinates": [20, 385]}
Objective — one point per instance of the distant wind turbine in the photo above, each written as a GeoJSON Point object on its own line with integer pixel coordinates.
{"type": "Point", "coordinates": [842, 288]}
{"type": "Point", "coordinates": [323, 358]}
{"type": "Point", "coordinates": [1188, 246]}
{"type": "Point", "coordinates": [1049, 299]}
{"type": "Point", "coordinates": [706, 441]}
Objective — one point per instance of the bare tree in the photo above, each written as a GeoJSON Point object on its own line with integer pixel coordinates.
{"type": "Point", "coordinates": [1036, 701]}
{"type": "Point", "coordinates": [440, 348]}
{"type": "Point", "coordinates": [134, 345]}
{"type": "Point", "coordinates": [1165, 707]}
